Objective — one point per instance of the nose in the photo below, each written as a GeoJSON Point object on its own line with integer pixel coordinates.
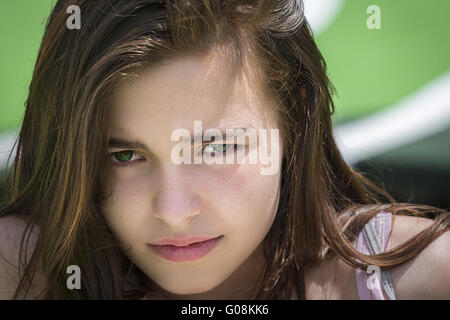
{"type": "Point", "coordinates": [175, 201]}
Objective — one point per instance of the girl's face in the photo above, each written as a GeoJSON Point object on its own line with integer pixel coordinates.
{"type": "Point", "coordinates": [154, 198]}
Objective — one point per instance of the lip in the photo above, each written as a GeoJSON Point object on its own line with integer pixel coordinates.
{"type": "Point", "coordinates": [182, 242]}
{"type": "Point", "coordinates": [185, 249]}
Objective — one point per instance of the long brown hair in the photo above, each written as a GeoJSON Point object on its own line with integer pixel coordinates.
{"type": "Point", "coordinates": [57, 175]}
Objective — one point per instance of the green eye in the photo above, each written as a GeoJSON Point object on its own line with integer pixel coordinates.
{"type": "Point", "coordinates": [219, 148]}
{"type": "Point", "coordinates": [123, 156]}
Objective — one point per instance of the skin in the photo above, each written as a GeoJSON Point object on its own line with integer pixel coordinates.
{"type": "Point", "coordinates": [153, 198]}
{"type": "Point", "coordinates": [426, 276]}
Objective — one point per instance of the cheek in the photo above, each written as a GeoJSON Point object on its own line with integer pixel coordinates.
{"type": "Point", "coordinates": [126, 209]}
{"type": "Point", "coordinates": [242, 196]}
{"type": "Point", "coordinates": [130, 189]}
{"type": "Point", "coordinates": [237, 196]}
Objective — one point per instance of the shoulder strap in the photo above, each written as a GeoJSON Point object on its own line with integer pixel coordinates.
{"type": "Point", "coordinates": [372, 240]}
{"type": "Point", "coordinates": [374, 246]}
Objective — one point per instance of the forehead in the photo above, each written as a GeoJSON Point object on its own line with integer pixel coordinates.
{"type": "Point", "coordinates": [187, 89]}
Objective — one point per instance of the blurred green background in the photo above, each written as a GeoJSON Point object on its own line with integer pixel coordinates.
{"type": "Point", "coordinates": [372, 70]}
{"type": "Point", "coordinates": [22, 25]}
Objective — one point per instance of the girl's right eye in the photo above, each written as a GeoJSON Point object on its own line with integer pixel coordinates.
{"type": "Point", "coordinates": [123, 158]}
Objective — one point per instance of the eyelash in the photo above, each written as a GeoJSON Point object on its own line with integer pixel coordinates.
{"type": "Point", "coordinates": [123, 164]}
{"type": "Point", "coordinates": [127, 164]}
{"type": "Point", "coordinates": [235, 147]}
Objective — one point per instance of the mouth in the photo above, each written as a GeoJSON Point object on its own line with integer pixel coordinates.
{"type": "Point", "coordinates": [195, 250]}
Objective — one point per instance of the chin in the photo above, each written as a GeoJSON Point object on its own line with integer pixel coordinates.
{"type": "Point", "coordinates": [187, 287]}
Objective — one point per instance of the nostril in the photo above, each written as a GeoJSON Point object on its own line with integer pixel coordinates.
{"type": "Point", "coordinates": [196, 205]}
{"type": "Point", "coordinates": [176, 210]}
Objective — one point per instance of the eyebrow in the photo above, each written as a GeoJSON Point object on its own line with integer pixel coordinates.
{"type": "Point", "coordinates": [127, 144]}
{"type": "Point", "coordinates": [115, 142]}
{"type": "Point", "coordinates": [235, 132]}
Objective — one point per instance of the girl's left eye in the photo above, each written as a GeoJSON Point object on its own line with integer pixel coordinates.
{"type": "Point", "coordinates": [123, 158]}
{"type": "Point", "coordinates": [223, 150]}
{"type": "Point", "coordinates": [218, 148]}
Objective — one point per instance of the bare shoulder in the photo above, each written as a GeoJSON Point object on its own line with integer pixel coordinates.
{"type": "Point", "coordinates": [332, 279]}
{"type": "Point", "coordinates": [426, 276]}
{"type": "Point", "coordinates": [11, 231]}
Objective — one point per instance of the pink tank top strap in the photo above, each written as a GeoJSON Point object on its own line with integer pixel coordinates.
{"type": "Point", "coordinates": [375, 284]}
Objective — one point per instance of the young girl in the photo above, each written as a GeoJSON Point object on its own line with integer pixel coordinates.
{"type": "Point", "coordinates": [95, 186]}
